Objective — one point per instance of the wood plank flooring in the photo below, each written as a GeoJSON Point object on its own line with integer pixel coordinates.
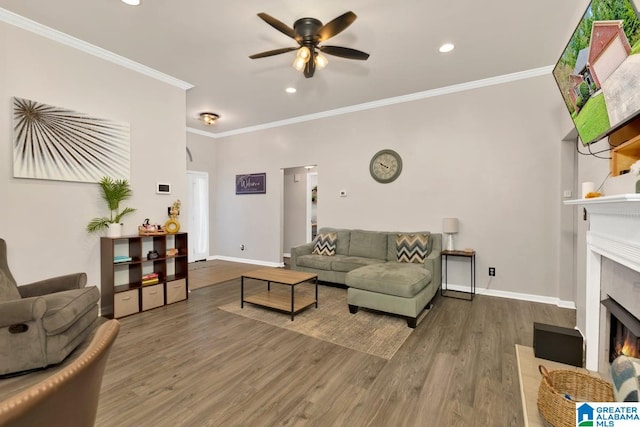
{"type": "Point", "coordinates": [206, 273]}
{"type": "Point", "coordinates": [191, 364]}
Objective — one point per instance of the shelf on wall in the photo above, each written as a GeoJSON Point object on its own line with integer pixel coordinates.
{"type": "Point", "coordinates": [624, 155]}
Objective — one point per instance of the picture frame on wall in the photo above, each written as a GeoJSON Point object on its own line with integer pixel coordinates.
{"type": "Point", "coordinates": [57, 143]}
{"type": "Point", "coordinates": [253, 183]}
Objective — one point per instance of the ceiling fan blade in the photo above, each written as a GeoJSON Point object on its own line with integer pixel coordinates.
{"type": "Point", "coordinates": [278, 25]}
{"type": "Point", "coordinates": [336, 26]}
{"type": "Point", "coordinates": [273, 52]}
{"type": "Point", "coordinates": [344, 52]}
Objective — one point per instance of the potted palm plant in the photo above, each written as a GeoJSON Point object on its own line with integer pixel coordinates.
{"type": "Point", "coordinates": [114, 191]}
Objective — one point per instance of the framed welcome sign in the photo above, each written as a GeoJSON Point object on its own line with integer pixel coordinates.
{"type": "Point", "coordinates": [254, 183]}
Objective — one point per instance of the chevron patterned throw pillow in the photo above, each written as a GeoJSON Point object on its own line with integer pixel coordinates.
{"type": "Point", "coordinates": [625, 375]}
{"type": "Point", "coordinates": [325, 244]}
{"type": "Point", "coordinates": [412, 247]}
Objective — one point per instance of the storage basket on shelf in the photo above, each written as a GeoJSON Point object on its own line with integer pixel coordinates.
{"type": "Point", "coordinates": [560, 390]}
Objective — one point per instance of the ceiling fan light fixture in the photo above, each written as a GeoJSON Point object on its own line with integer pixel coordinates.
{"type": "Point", "coordinates": [131, 2]}
{"type": "Point", "coordinates": [304, 53]}
{"type": "Point", "coordinates": [299, 63]}
{"type": "Point", "coordinates": [321, 61]}
{"type": "Point", "coordinates": [209, 119]}
{"type": "Point", "coordinates": [309, 33]}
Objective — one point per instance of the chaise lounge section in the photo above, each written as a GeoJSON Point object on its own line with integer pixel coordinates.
{"type": "Point", "coordinates": [393, 272]}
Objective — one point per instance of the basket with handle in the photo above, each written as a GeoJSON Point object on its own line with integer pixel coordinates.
{"type": "Point", "coordinates": [560, 390]}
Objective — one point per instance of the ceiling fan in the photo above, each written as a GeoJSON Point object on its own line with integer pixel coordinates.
{"type": "Point", "coordinates": [309, 33]}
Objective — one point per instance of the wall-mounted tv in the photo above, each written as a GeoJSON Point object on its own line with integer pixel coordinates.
{"type": "Point", "coordinates": [599, 71]}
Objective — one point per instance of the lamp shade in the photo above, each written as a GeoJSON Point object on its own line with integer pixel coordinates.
{"type": "Point", "coordinates": [450, 225]}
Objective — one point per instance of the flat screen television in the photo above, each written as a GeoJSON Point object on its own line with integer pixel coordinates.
{"type": "Point", "coordinates": [598, 73]}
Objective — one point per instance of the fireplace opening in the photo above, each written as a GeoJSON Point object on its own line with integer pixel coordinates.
{"type": "Point", "coordinates": [624, 333]}
{"type": "Point", "coordinates": [623, 341]}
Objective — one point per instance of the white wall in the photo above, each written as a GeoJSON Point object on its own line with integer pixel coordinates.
{"type": "Point", "coordinates": [490, 157]}
{"type": "Point", "coordinates": [44, 221]}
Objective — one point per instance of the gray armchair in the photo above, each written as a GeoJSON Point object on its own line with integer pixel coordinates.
{"type": "Point", "coordinates": [42, 322]}
{"type": "Point", "coordinates": [69, 397]}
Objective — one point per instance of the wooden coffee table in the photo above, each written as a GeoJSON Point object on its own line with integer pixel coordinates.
{"type": "Point", "coordinates": [275, 300]}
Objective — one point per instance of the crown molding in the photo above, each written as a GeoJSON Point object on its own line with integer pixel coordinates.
{"type": "Point", "coordinates": [476, 84]}
{"type": "Point", "coordinates": [60, 37]}
{"type": "Point", "coordinates": [203, 133]}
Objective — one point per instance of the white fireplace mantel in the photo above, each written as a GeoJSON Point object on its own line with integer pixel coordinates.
{"type": "Point", "coordinates": [614, 232]}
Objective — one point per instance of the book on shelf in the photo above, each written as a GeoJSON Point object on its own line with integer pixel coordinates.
{"type": "Point", "coordinates": [150, 282]}
{"type": "Point", "coordinates": [150, 276]}
{"type": "Point", "coordinates": [121, 258]}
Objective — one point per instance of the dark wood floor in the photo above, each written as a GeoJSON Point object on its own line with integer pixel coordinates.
{"type": "Point", "coordinates": [191, 364]}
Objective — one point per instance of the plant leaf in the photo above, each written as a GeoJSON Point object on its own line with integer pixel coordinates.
{"type": "Point", "coordinates": [123, 213]}
{"type": "Point", "coordinates": [97, 224]}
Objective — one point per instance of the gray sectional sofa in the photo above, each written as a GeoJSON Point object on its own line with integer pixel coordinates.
{"type": "Point", "coordinates": [367, 263]}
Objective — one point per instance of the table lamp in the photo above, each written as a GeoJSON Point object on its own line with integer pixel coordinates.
{"type": "Point", "coordinates": [450, 227]}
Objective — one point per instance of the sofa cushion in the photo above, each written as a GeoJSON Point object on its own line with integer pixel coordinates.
{"type": "Point", "coordinates": [66, 307]}
{"type": "Point", "coordinates": [325, 244]}
{"type": "Point", "coordinates": [342, 241]}
{"type": "Point", "coordinates": [412, 248]}
{"type": "Point", "coordinates": [345, 264]}
{"type": "Point", "coordinates": [368, 244]}
{"type": "Point", "coordinates": [319, 262]}
{"type": "Point", "coordinates": [391, 278]}
{"type": "Point", "coordinates": [8, 289]}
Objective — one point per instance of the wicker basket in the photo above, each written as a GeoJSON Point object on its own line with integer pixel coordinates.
{"type": "Point", "coordinates": [560, 390]}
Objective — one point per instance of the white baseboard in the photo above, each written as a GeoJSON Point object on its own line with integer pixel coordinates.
{"type": "Point", "coordinates": [516, 295]}
{"type": "Point", "coordinates": [247, 261]}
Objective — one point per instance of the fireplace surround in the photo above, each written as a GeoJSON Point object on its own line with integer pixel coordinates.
{"type": "Point", "coordinates": [613, 238]}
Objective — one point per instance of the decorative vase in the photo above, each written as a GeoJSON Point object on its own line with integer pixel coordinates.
{"type": "Point", "coordinates": [114, 230]}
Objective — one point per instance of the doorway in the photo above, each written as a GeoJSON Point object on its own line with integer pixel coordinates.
{"type": "Point", "coordinates": [312, 205]}
{"type": "Point", "coordinates": [198, 215]}
{"type": "Point", "coordinates": [299, 207]}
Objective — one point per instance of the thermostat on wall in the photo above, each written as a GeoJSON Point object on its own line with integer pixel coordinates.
{"type": "Point", "coordinates": [163, 188]}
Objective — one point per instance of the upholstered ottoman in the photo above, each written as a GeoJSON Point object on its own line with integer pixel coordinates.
{"type": "Point", "coordinates": [404, 289]}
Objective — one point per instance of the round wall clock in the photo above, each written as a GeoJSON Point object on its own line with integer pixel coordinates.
{"type": "Point", "coordinates": [385, 166]}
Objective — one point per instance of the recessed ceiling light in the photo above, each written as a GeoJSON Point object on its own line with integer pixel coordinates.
{"type": "Point", "coordinates": [447, 47]}
{"type": "Point", "coordinates": [291, 90]}
{"type": "Point", "coordinates": [131, 2]}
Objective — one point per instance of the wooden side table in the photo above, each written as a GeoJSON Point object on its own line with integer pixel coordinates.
{"type": "Point", "coordinates": [454, 294]}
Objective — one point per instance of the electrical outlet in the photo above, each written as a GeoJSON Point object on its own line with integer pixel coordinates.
{"type": "Point", "coordinates": [242, 247]}
{"type": "Point", "coordinates": [492, 271]}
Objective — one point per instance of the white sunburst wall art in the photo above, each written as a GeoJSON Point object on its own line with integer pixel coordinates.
{"type": "Point", "coordinates": [59, 144]}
